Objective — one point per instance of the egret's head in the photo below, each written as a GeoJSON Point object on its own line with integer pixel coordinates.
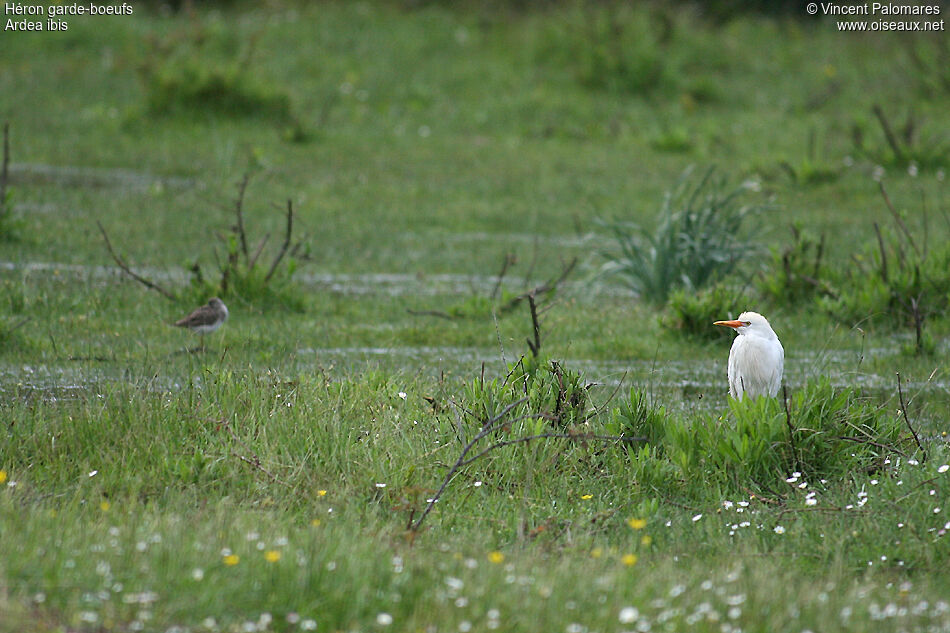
{"type": "Point", "coordinates": [750, 324]}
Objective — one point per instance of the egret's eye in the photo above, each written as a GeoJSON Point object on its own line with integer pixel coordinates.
{"type": "Point", "coordinates": [746, 323]}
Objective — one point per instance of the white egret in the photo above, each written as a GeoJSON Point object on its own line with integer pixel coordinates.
{"type": "Point", "coordinates": [757, 358]}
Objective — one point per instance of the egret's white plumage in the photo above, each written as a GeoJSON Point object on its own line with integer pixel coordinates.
{"type": "Point", "coordinates": [757, 358]}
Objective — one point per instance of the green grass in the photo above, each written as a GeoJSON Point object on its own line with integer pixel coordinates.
{"type": "Point", "coordinates": [421, 148]}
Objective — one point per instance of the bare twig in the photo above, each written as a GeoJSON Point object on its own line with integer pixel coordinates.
{"type": "Point", "coordinates": [487, 427]}
{"type": "Point", "coordinates": [598, 410]}
{"type": "Point", "coordinates": [434, 313]}
{"type": "Point", "coordinates": [818, 255]}
{"type": "Point", "coordinates": [546, 287]}
{"type": "Point", "coordinates": [752, 495]}
{"type": "Point", "coordinates": [19, 324]}
{"type": "Point", "coordinates": [534, 346]}
{"type": "Point", "coordinates": [898, 220]}
{"type": "Point", "coordinates": [918, 319]}
{"type": "Point", "coordinates": [5, 169]}
{"type": "Point", "coordinates": [880, 244]}
{"type": "Point", "coordinates": [864, 440]}
{"type": "Point", "coordinates": [128, 271]}
{"type": "Point", "coordinates": [888, 133]}
{"type": "Point", "coordinates": [256, 461]}
{"type": "Point", "coordinates": [286, 244]}
{"type": "Point", "coordinates": [492, 424]}
{"type": "Point", "coordinates": [509, 260]}
{"type": "Point", "coordinates": [258, 251]}
{"type": "Point", "coordinates": [239, 212]}
{"type": "Point", "coordinates": [582, 437]}
{"type": "Point", "coordinates": [791, 429]}
{"type": "Point", "coordinates": [900, 393]}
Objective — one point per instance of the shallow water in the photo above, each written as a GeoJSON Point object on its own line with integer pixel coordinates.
{"type": "Point", "coordinates": [389, 284]}
{"type": "Point", "coordinates": [66, 175]}
{"type": "Point", "coordinates": [678, 384]}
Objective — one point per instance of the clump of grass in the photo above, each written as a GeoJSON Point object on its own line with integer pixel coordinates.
{"type": "Point", "coordinates": [931, 58]}
{"type": "Point", "coordinates": [900, 277]}
{"type": "Point", "coordinates": [615, 48]}
{"type": "Point", "coordinates": [812, 169]}
{"type": "Point", "coordinates": [704, 230]}
{"type": "Point", "coordinates": [905, 147]}
{"type": "Point", "coordinates": [557, 395]}
{"type": "Point", "coordinates": [637, 416]}
{"type": "Point", "coordinates": [184, 75]}
{"type": "Point", "coordinates": [191, 86]}
{"type": "Point", "coordinates": [825, 432]}
{"type": "Point", "coordinates": [692, 310]}
{"type": "Point", "coordinates": [798, 272]}
{"type": "Point", "coordinates": [674, 139]}
{"type": "Point", "coordinates": [242, 273]}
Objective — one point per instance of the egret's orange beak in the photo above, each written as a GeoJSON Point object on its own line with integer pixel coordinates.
{"type": "Point", "coordinates": [732, 324]}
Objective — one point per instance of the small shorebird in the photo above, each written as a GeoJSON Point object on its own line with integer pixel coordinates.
{"type": "Point", "coordinates": [756, 360]}
{"type": "Point", "coordinates": [206, 319]}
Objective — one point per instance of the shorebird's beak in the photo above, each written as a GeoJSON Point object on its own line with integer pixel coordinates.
{"type": "Point", "coordinates": [732, 324]}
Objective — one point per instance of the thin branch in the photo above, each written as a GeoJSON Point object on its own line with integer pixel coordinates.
{"type": "Point", "coordinates": [509, 260]}
{"type": "Point", "coordinates": [791, 429]}
{"type": "Point", "coordinates": [487, 427]}
{"type": "Point", "coordinates": [239, 212]}
{"type": "Point", "coordinates": [128, 271]}
{"type": "Point", "coordinates": [534, 346]}
{"type": "Point", "coordinates": [864, 440]}
{"type": "Point", "coordinates": [568, 436]}
{"type": "Point", "coordinates": [888, 133]}
{"type": "Point", "coordinates": [286, 244]}
{"type": "Point", "coordinates": [256, 462]}
{"type": "Point", "coordinates": [491, 424]}
{"type": "Point", "coordinates": [900, 393]}
{"type": "Point", "coordinates": [598, 410]}
{"type": "Point", "coordinates": [19, 324]}
{"type": "Point", "coordinates": [898, 220]}
{"type": "Point", "coordinates": [880, 244]}
{"type": "Point", "coordinates": [257, 252]}
{"type": "Point", "coordinates": [5, 169]}
{"type": "Point", "coordinates": [547, 286]}
{"type": "Point", "coordinates": [434, 313]}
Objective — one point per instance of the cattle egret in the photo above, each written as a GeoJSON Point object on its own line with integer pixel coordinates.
{"type": "Point", "coordinates": [756, 360]}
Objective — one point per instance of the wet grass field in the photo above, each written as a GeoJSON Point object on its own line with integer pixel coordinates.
{"type": "Point", "coordinates": [277, 480]}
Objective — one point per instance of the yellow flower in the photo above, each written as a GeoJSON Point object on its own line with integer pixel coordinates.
{"type": "Point", "coordinates": [596, 552]}
{"type": "Point", "coordinates": [321, 493]}
{"type": "Point", "coordinates": [272, 556]}
{"type": "Point", "coordinates": [586, 497]}
{"type": "Point", "coordinates": [315, 523]}
{"type": "Point", "coordinates": [629, 560]}
{"type": "Point", "coordinates": [3, 476]}
{"type": "Point", "coordinates": [829, 70]}
{"type": "Point", "coordinates": [646, 540]}
{"type": "Point", "coordinates": [496, 557]}
{"type": "Point", "coordinates": [231, 560]}
{"type": "Point", "coordinates": [637, 524]}
{"type": "Point", "coordinates": [104, 506]}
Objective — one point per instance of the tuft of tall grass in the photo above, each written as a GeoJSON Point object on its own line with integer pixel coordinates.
{"type": "Point", "coordinates": [827, 433]}
{"type": "Point", "coordinates": [704, 229]}
{"type": "Point", "coordinates": [200, 71]}
{"type": "Point", "coordinates": [691, 310]}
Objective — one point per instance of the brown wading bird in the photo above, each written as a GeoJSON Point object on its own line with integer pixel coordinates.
{"type": "Point", "coordinates": [757, 358]}
{"type": "Point", "coordinates": [206, 319]}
